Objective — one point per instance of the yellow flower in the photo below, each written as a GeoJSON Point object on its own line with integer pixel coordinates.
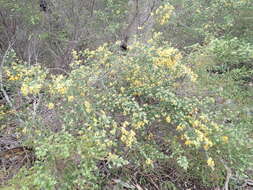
{"type": "Point", "coordinates": [112, 156]}
{"type": "Point", "coordinates": [50, 105]}
{"type": "Point", "coordinates": [24, 130]}
{"type": "Point", "coordinates": [168, 119]}
{"type": "Point", "coordinates": [215, 126]}
{"type": "Point", "coordinates": [35, 89]}
{"type": "Point", "coordinates": [208, 143]}
{"type": "Point", "coordinates": [24, 90]}
{"type": "Point", "coordinates": [137, 83]}
{"type": "Point", "coordinates": [180, 127]}
{"type": "Point", "coordinates": [12, 77]}
{"type": "Point", "coordinates": [196, 123]}
{"type": "Point", "coordinates": [139, 124]}
{"type": "Point", "coordinates": [184, 137]}
{"type": "Point", "coordinates": [122, 89]}
{"type": "Point", "coordinates": [128, 137]}
{"type": "Point", "coordinates": [149, 161]}
{"type": "Point", "coordinates": [224, 139]}
{"type": "Point", "coordinates": [87, 106]}
{"type": "Point", "coordinates": [210, 162]}
{"type": "Point", "coordinates": [62, 90]}
{"type": "Point", "coordinates": [188, 142]}
{"type": "Point", "coordinates": [8, 73]}
{"type": "Point", "coordinates": [70, 98]}
{"type": "Point", "coordinates": [125, 124]}
{"type": "Point", "coordinates": [74, 54]}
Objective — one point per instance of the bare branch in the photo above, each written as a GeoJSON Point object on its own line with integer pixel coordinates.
{"type": "Point", "coordinates": [1, 75]}
{"type": "Point", "coordinates": [8, 100]}
{"type": "Point", "coordinates": [92, 7]}
{"type": "Point", "coordinates": [228, 177]}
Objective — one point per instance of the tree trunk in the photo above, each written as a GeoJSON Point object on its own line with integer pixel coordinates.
{"type": "Point", "coordinates": [140, 22]}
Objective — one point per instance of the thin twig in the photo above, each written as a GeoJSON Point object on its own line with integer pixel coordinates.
{"type": "Point", "coordinates": [92, 8]}
{"type": "Point", "coordinates": [228, 177]}
{"type": "Point", "coordinates": [8, 100]}
{"type": "Point", "coordinates": [36, 103]}
{"type": "Point", "coordinates": [1, 75]}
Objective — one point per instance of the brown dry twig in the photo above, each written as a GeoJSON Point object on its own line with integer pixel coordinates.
{"type": "Point", "coordinates": [229, 175]}
{"type": "Point", "coordinates": [7, 98]}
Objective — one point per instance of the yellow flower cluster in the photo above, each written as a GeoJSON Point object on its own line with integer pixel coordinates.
{"type": "Point", "coordinates": [12, 76]}
{"type": "Point", "coordinates": [204, 118]}
{"type": "Point", "coordinates": [32, 78]}
{"type": "Point", "coordinates": [88, 107]}
{"type": "Point", "coordinates": [50, 105]}
{"type": "Point", "coordinates": [180, 127]}
{"type": "Point", "coordinates": [75, 55]}
{"type": "Point", "coordinates": [167, 57]}
{"type": "Point", "coordinates": [76, 60]}
{"type": "Point", "coordinates": [70, 98]}
{"type": "Point", "coordinates": [207, 143]}
{"type": "Point", "coordinates": [187, 71]}
{"type": "Point", "coordinates": [101, 54]}
{"type": "Point", "coordinates": [112, 156]}
{"type": "Point", "coordinates": [60, 85]}
{"type": "Point", "coordinates": [224, 139]}
{"type": "Point", "coordinates": [139, 124]}
{"type": "Point", "coordinates": [215, 126]}
{"type": "Point", "coordinates": [149, 162]}
{"type": "Point", "coordinates": [200, 133]}
{"type": "Point", "coordinates": [128, 137]}
{"type": "Point", "coordinates": [4, 111]}
{"type": "Point", "coordinates": [163, 13]}
{"type": "Point", "coordinates": [210, 162]}
{"type": "Point", "coordinates": [137, 83]}
{"type": "Point", "coordinates": [30, 89]}
{"type": "Point", "coordinates": [168, 119]}
{"type": "Point", "coordinates": [154, 68]}
{"type": "Point", "coordinates": [135, 77]}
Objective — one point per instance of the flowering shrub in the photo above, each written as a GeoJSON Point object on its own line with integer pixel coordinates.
{"type": "Point", "coordinates": [123, 110]}
{"type": "Point", "coordinates": [163, 13]}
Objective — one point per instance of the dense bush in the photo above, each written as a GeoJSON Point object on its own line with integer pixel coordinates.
{"type": "Point", "coordinates": [123, 110]}
{"type": "Point", "coordinates": [230, 57]}
{"type": "Point", "coordinates": [231, 54]}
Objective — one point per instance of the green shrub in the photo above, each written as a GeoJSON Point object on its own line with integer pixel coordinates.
{"type": "Point", "coordinates": [123, 110]}
{"type": "Point", "coordinates": [231, 54]}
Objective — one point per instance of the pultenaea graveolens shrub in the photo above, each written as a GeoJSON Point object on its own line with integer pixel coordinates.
{"type": "Point", "coordinates": [115, 106]}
